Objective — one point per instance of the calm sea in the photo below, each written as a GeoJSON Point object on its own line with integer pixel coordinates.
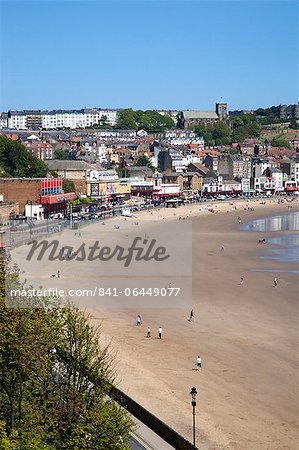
{"type": "Point", "coordinates": [286, 244]}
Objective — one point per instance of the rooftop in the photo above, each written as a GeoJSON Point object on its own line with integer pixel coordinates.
{"type": "Point", "coordinates": [60, 164]}
{"type": "Point", "coordinates": [200, 115]}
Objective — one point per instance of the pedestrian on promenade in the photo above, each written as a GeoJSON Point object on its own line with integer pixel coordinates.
{"type": "Point", "coordinates": [148, 332]}
{"type": "Point", "coordinates": [160, 332]}
{"type": "Point", "coordinates": [275, 281]}
{"type": "Point", "coordinates": [241, 280]}
{"type": "Point", "coordinates": [198, 363]}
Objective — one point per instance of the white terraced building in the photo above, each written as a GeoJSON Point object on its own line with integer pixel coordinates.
{"type": "Point", "coordinates": [78, 118]}
{"type": "Point", "coordinates": [82, 118]}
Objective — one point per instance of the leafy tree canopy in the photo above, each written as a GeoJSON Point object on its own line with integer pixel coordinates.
{"type": "Point", "coordinates": [16, 161]}
{"type": "Point", "coordinates": [221, 133]}
{"type": "Point", "coordinates": [145, 162]}
{"type": "Point", "coordinates": [68, 185]}
{"type": "Point", "coordinates": [54, 379]}
{"type": "Point", "coordinates": [150, 121]}
{"type": "Point", "coordinates": [280, 141]}
{"type": "Point", "coordinates": [126, 120]}
{"type": "Point", "coordinates": [61, 154]}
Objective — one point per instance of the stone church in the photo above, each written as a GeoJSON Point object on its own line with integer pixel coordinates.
{"type": "Point", "coordinates": [188, 119]}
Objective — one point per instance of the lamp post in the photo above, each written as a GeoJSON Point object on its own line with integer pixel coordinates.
{"type": "Point", "coordinates": [71, 215]}
{"type": "Point", "coordinates": [30, 222]}
{"type": "Point", "coordinates": [193, 393]}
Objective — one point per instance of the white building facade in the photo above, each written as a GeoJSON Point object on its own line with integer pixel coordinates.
{"type": "Point", "coordinates": [17, 120]}
{"type": "Point", "coordinates": [81, 118]}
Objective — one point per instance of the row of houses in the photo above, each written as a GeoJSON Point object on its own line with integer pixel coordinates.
{"type": "Point", "coordinates": [87, 117]}
{"type": "Point", "coordinates": [55, 119]}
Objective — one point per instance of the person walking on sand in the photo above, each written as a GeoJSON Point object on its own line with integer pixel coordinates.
{"type": "Point", "coordinates": [160, 332]}
{"type": "Point", "coordinates": [58, 273]}
{"type": "Point", "coordinates": [198, 363]}
{"type": "Point", "coordinates": [148, 332]}
{"type": "Point", "coordinates": [192, 316]}
{"type": "Point", "coordinates": [275, 281]}
{"type": "Point", "coordinates": [222, 248]}
{"type": "Point", "coordinates": [241, 280]}
{"type": "Point", "coordinates": [138, 320]}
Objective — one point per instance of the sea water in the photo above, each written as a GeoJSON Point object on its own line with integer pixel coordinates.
{"type": "Point", "coordinates": [286, 245]}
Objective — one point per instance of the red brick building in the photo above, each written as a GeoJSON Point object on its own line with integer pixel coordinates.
{"type": "Point", "coordinates": [26, 190]}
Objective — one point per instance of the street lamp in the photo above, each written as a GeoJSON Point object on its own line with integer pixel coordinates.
{"type": "Point", "coordinates": [193, 393]}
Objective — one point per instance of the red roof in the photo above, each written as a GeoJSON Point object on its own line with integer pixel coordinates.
{"type": "Point", "coordinates": [13, 137]}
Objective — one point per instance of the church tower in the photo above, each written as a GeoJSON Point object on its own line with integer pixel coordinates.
{"type": "Point", "coordinates": [221, 110]}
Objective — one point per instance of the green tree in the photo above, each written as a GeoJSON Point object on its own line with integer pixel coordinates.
{"type": "Point", "coordinates": [237, 122]}
{"type": "Point", "coordinates": [293, 124]}
{"type": "Point", "coordinates": [280, 141]}
{"type": "Point", "coordinates": [239, 135]}
{"type": "Point", "coordinates": [16, 161]}
{"type": "Point", "coordinates": [153, 121]}
{"type": "Point", "coordinates": [68, 185]}
{"type": "Point", "coordinates": [220, 131]}
{"type": "Point", "coordinates": [253, 129]}
{"type": "Point", "coordinates": [61, 154]}
{"type": "Point", "coordinates": [55, 379]}
{"type": "Point", "coordinates": [145, 161]}
{"type": "Point", "coordinates": [126, 120]}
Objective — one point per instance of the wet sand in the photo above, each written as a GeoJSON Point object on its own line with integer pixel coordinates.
{"type": "Point", "coordinates": [246, 335]}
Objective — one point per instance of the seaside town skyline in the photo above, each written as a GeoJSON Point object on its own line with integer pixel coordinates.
{"type": "Point", "coordinates": [149, 225]}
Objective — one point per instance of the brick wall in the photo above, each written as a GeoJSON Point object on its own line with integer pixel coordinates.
{"type": "Point", "coordinates": [80, 185]}
{"type": "Point", "coordinates": [20, 190]}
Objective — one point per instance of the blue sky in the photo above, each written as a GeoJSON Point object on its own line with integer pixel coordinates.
{"type": "Point", "coordinates": [148, 54]}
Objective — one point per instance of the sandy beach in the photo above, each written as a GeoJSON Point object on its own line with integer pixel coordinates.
{"type": "Point", "coordinates": [246, 335]}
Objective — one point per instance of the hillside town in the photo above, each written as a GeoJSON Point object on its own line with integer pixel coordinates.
{"type": "Point", "coordinates": [107, 167]}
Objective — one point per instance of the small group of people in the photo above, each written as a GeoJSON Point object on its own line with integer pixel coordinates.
{"type": "Point", "coordinates": [262, 241]}
{"type": "Point", "coordinates": [148, 334]}
{"type": "Point", "coordinates": [78, 233]}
